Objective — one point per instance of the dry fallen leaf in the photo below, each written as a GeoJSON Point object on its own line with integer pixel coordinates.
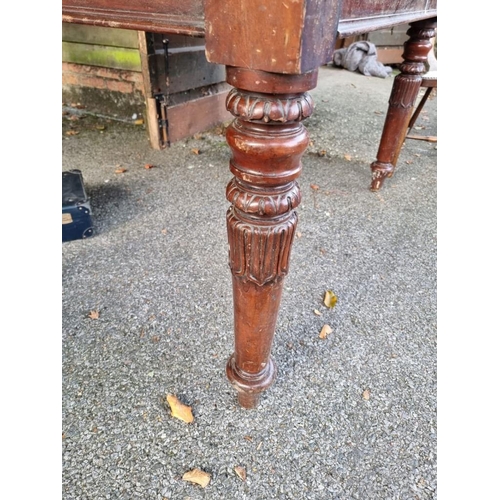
{"type": "Point", "coordinates": [325, 331]}
{"type": "Point", "coordinates": [100, 127]}
{"type": "Point", "coordinates": [196, 151]}
{"type": "Point", "coordinates": [248, 438]}
{"type": "Point", "coordinates": [163, 231]}
{"type": "Point", "coordinates": [72, 132]}
{"type": "Point", "coordinates": [94, 314]}
{"type": "Point", "coordinates": [120, 170]}
{"type": "Point", "coordinates": [179, 410]}
{"type": "Point", "coordinates": [317, 312]}
{"type": "Point", "coordinates": [348, 157]}
{"type": "Point", "coordinates": [330, 299]}
{"type": "Point", "coordinates": [299, 234]}
{"type": "Point", "coordinates": [322, 152]}
{"type": "Point", "coordinates": [366, 394]}
{"type": "Point", "coordinates": [241, 472]}
{"type": "Point", "coordinates": [148, 166]}
{"type": "Point", "coordinates": [315, 187]}
{"type": "Point", "coordinates": [140, 121]}
{"type": "Point", "coordinates": [197, 476]}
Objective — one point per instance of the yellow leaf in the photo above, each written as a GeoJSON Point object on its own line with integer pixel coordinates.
{"type": "Point", "coordinates": [179, 410]}
{"type": "Point", "coordinates": [241, 472]}
{"type": "Point", "coordinates": [139, 121]}
{"type": "Point", "coordinates": [197, 476]}
{"type": "Point", "coordinates": [325, 331]}
{"type": "Point", "coordinates": [330, 299]}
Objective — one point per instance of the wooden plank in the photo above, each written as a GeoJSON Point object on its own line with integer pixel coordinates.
{"type": "Point", "coordinates": [390, 37]}
{"type": "Point", "coordinates": [358, 26]}
{"type": "Point", "coordinates": [155, 16]}
{"type": "Point", "coordinates": [152, 123]}
{"type": "Point", "coordinates": [190, 69]}
{"type": "Point", "coordinates": [99, 55]}
{"type": "Point", "coordinates": [390, 55]}
{"type": "Point", "coordinates": [191, 117]}
{"type": "Point", "coordinates": [98, 35]}
{"type": "Point", "coordinates": [357, 9]}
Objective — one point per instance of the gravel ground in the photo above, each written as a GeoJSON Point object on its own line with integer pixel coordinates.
{"type": "Point", "coordinates": [352, 416]}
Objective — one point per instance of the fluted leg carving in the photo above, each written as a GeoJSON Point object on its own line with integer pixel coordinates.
{"type": "Point", "coordinates": [267, 140]}
{"type": "Point", "coordinates": [402, 100]}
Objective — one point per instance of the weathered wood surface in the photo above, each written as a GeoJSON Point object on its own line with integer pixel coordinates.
{"type": "Point", "coordinates": [156, 16]}
{"type": "Point", "coordinates": [363, 16]}
{"type": "Point", "coordinates": [97, 35]}
{"type": "Point", "coordinates": [289, 36]}
{"type": "Point", "coordinates": [280, 37]}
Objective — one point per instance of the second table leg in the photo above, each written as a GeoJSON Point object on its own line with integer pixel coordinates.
{"type": "Point", "coordinates": [402, 100]}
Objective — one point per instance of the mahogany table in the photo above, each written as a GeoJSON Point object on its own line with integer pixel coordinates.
{"type": "Point", "coordinates": [272, 51]}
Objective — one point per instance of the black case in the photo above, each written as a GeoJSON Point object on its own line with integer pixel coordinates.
{"type": "Point", "coordinates": [76, 213]}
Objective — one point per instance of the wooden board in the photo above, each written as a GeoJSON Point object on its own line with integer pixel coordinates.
{"type": "Point", "coordinates": [100, 55]}
{"type": "Point", "coordinates": [95, 35]}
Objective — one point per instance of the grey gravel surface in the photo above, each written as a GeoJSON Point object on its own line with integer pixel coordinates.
{"type": "Point", "coordinates": [156, 271]}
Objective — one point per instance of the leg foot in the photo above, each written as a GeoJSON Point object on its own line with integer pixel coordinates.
{"type": "Point", "coordinates": [380, 171]}
{"type": "Point", "coordinates": [248, 385]}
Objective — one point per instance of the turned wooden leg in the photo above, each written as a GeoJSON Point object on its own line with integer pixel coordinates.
{"type": "Point", "coordinates": [402, 100]}
{"type": "Point", "coordinates": [267, 140]}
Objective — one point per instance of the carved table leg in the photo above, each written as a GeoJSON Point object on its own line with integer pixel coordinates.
{"type": "Point", "coordinates": [402, 100]}
{"type": "Point", "coordinates": [267, 140]}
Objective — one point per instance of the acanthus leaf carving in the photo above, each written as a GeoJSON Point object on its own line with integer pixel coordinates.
{"type": "Point", "coordinates": [259, 252]}
{"type": "Point", "coordinates": [267, 203]}
{"type": "Point", "coordinates": [268, 108]}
